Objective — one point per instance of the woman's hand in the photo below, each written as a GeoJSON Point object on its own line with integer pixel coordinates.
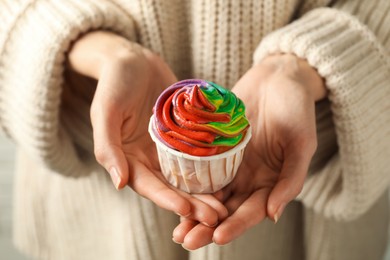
{"type": "Point", "coordinates": [130, 78]}
{"type": "Point", "coordinates": [279, 95]}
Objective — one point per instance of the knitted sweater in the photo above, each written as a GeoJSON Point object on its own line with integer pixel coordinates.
{"type": "Point", "coordinates": [65, 205]}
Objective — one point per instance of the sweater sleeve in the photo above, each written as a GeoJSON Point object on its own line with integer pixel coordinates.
{"type": "Point", "coordinates": [34, 40]}
{"type": "Point", "coordinates": [347, 45]}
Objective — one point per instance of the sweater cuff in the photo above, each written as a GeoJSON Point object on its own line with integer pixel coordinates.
{"type": "Point", "coordinates": [32, 61]}
{"type": "Point", "coordinates": [356, 70]}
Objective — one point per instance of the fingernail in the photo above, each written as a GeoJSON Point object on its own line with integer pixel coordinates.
{"type": "Point", "coordinates": [186, 248]}
{"type": "Point", "coordinates": [173, 239]}
{"type": "Point", "coordinates": [279, 212]}
{"type": "Point", "coordinates": [184, 216]}
{"type": "Point", "coordinates": [214, 225]}
{"type": "Point", "coordinates": [276, 218]}
{"type": "Point", "coordinates": [116, 179]}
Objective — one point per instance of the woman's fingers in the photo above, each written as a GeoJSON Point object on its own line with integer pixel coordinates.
{"type": "Point", "coordinates": [249, 213]}
{"type": "Point", "coordinates": [213, 202]}
{"type": "Point", "coordinates": [180, 232]}
{"type": "Point", "coordinates": [199, 236]}
{"type": "Point", "coordinates": [203, 212]}
{"type": "Point", "coordinates": [192, 235]}
{"type": "Point", "coordinates": [145, 183]}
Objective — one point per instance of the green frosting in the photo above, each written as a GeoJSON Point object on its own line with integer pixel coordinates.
{"type": "Point", "coordinates": [226, 102]}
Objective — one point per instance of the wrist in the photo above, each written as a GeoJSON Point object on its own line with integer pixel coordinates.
{"type": "Point", "coordinates": [299, 70]}
{"type": "Point", "coordinates": [94, 51]}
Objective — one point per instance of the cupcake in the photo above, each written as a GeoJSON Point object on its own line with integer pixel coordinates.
{"type": "Point", "coordinates": [200, 131]}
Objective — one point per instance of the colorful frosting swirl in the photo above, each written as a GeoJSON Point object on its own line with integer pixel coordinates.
{"type": "Point", "coordinates": [199, 118]}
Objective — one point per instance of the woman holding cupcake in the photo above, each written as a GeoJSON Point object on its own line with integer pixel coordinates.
{"type": "Point", "coordinates": [234, 115]}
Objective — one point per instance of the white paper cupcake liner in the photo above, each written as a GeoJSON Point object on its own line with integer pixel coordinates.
{"type": "Point", "coordinates": [199, 174]}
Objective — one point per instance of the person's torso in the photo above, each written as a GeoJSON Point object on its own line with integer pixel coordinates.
{"type": "Point", "coordinates": [213, 40]}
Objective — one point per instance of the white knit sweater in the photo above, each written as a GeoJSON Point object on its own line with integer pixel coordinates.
{"type": "Point", "coordinates": [66, 207]}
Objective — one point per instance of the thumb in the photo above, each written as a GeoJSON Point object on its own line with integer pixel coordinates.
{"type": "Point", "coordinates": [290, 182]}
{"type": "Point", "coordinates": [106, 123]}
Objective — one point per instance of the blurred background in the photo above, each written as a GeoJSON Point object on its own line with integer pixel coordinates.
{"type": "Point", "coordinates": [7, 157]}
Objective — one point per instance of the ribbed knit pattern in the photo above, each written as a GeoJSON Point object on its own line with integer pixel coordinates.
{"type": "Point", "coordinates": [44, 108]}
{"type": "Point", "coordinates": [32, 59]}
{"type": "Point", "coordinates": [356, 68]}
{"type": "Point", "coordinates": [225, 32]}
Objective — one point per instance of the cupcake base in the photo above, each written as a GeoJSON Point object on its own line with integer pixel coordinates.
{"type": "Point", "coordinates": [194, 174]}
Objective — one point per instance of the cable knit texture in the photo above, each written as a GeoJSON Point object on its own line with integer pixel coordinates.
{"type": "Point", "coordinates": [66, 206]}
